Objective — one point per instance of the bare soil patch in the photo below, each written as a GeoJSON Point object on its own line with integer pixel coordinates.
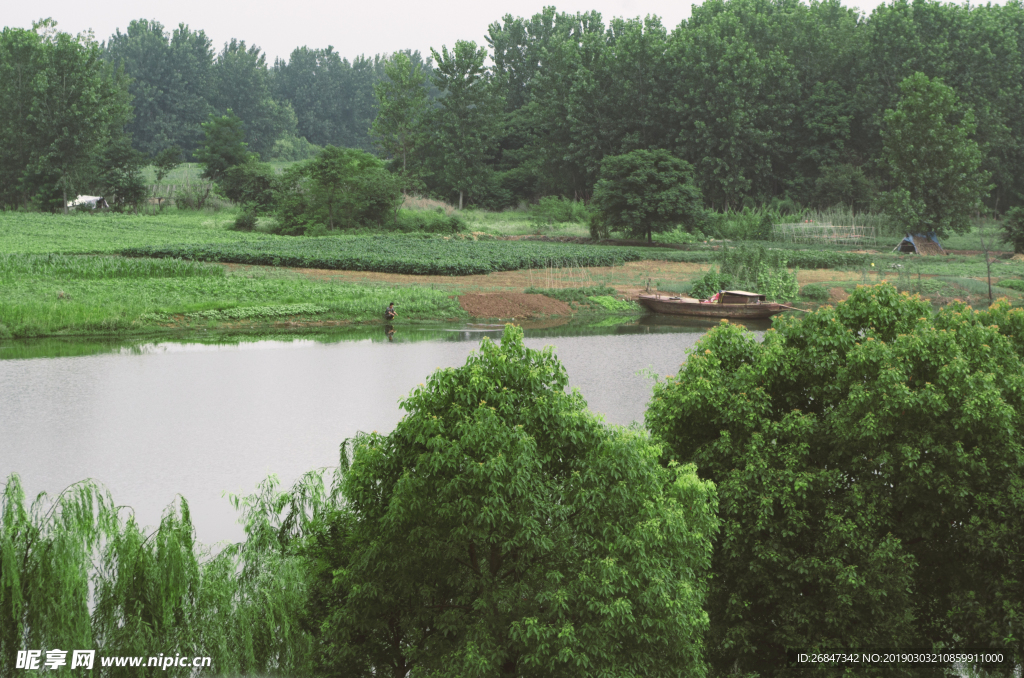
{"type": "Point", "coordinates": [838, 294]}
{"type": "Point", "coordinates": [512, 305]}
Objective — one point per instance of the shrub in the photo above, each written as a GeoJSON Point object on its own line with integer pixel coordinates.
{"type": "Point", "coordinates": [680, 236]}
{"type": "Point", "coordinates": [436, 221]}
{"type": "Point", "coordinates": [1013, 229]}
{"type": "Point", "coordinates": [1016, 285]}
{"type": "Point", "coordinates": [558, 210]}
{"type": "Point", "coordinates": [710, 284]}
{"type": "Point", "coordinates": [252, 184]}
{"type": "Point", "coordinates": [815, 292]}
{"type": "Point", "coordinates": [246, 220]}
{"type": "Point", "coordinates": [340, 188]}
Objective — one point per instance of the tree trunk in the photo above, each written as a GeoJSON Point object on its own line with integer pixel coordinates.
{"type": "Point", "coordinates": [64, 192]}
{"type": "Point", "coordinates": [650, 239]}
{"type": "Point", "coordinates": [460, 200]}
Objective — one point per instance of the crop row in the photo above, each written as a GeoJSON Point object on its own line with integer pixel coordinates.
{"type": "Point", "coordinates": [80, 267]}
{"type": "Point", "coordinates": [412, 255]}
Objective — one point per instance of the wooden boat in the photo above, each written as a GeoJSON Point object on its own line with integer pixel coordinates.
{"type": "Point", "coordinates": [730, 304]}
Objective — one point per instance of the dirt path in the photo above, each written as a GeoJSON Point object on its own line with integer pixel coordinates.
{"type": "Point", "coordinates": [512, 305]}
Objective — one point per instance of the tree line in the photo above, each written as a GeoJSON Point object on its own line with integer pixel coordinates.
{"type": "Point", "coordinates": [767, 100]}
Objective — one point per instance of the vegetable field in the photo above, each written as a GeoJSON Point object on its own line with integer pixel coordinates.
{"type": "Point", "coordinates": [410, 254]}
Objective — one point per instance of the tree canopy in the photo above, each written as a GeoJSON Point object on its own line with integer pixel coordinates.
{"type": "Point", "coordinates": [503, 530]}
{"type": "Point", "coordinates": [868, 459]}
{"type": "Point", "coordinates": [934, 162]}
{"type": "Point", "coordinates": [645, 192]}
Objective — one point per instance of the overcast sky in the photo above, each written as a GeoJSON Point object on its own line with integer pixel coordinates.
{"type": "Point", "coordinates": [353, 28]}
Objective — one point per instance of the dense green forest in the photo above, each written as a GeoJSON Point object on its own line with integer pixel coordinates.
{"type": "Point", "coordinates": [767, 100]}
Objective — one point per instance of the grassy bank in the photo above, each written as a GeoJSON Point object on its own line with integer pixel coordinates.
{"type": "Point", "coordinates": [47, 294]}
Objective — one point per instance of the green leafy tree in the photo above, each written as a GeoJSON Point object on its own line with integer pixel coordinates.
{"type": "Point", "coordinates": [1013, 229]}
{"type": "Point", "coordinates": [61, 104]}
{"type": "Point", "coordinates": [224, 147]}
{"type": "Point", "coordinates": [402, 107]}
{"type": "Point", "coordinates": [503, 530]}
{"type": "Point", "coordinates": [468, 116]}
{"type": "Point", "coordinates": [934, 162]}
{"type": "Point", "coordinates": [646, 192]}
{"type": "Point", "coordinates": [252, 184]}
{"type": "Point", "coordinates": [241, 85]}
{"type": "Point", "coordinates": [119, 175]}
{"type": "Point", "coordinates": [340, 188]}
{"type": "Point", "coordinates": [170, 81]}
{"type": "Point", "coordinates": [166, 161]}
{"type": "Point", "coordinates": [868, 457]}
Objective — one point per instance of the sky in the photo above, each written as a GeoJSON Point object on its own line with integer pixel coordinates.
{"type": "Point", "coordinates": [353, 28]}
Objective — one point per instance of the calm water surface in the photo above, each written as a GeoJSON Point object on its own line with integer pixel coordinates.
{"type": "Point", "coordinates": [196, 419]}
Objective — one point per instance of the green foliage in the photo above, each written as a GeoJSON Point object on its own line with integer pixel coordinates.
{"type": "Point", "coordinates": [224, 146]}
{"type": "Point", "coordinates": [680, 236]}
{"type": "Point", "coordinates": [246, 220]}
{"type": "Point", "coordinates": [60, 103]}
{"type": "Point", "coordinates": [866, 457]}
{"type": "Point", "coordinates": [467, 119]}
{"type": "Point", "coordinates": [47, 549]}
{"type": "Point", "coordinates": [760, 270]}
{"type": "Point", "coordinates": [422, 255]}
{"type": "Point", "coordinates": [1012, 284]}
{"type": "Point", "coordinates": [712, 282]}
{"type": "Point", "coordinates": [934, 162]}
{"type": "Point", "coordinates": [430, 221]}
{"type": "Point", "coordinates": [166, 161]}
{"type": "Point", "coordinates": [340, 188]}
{"type": "Point", "coordinates": [745, 224]}
{"type": "Point", "coordinates": [62, 266]}
{"type": "Point", "coordinates": [844, 184]}
{"type": "Point", "coordinates": [251, 184]}
{"type": "Point", "coordinates": [614, 304]}
{"type": "Point", "coordinates": [240, 85]}
{"type": "Point", "coordinates": [293, 148]}
{"type": "Point", "coordinates": [815, 292]}
{"type": "Point", "coordinates": [555, 209]}
{"type": "Point", "coordinates": [1012, 226]}
{"type": "Point", "coordinates": [573, 294]}
{"type": "Point", "coordinates": [644, 192]}
{"type": "Point", "coordinates": [119, 176]}
{"type": "Point", "coordinates": [50, 294]}
{"type": "Point", "coordinates": [503, 512]}
{"type": "Point", "coordinates": [399, 127]}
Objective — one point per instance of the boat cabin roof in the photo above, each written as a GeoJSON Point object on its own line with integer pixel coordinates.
{"type": "Point", "coordinates": [741, 297]}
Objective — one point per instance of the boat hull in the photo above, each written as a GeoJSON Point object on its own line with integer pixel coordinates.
{"type": "Point", "coordinates": [697, 309]}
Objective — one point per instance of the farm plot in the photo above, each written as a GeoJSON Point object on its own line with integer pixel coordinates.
{"type": "Point", "coordinates": [410, 254]}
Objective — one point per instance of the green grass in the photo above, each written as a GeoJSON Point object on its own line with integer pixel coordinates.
{"type": "Point", "coordinates": [519, 222]}
{"type": "Point", "coordinates": [190, 171]}
{"type": "Point", "coordinates": [108, 233]}
{"type": "Point", "coordinates": [43, 295]}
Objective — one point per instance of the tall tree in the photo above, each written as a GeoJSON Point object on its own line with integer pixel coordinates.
{"type": "Point", "coordinates": [242, 84]}
{"type": "Point", "coordinates": [468, 116]}
{"type": "Point", "coordinates": [934, 162]}
{"type": "Point", "coordinates": [170, 81]}
{"type": "Point", "coordinates": [71, 103]}
{"type": "Point", "coordinates": [402, 108]}
{"type": "Point", "coordinates": [869, 463]}
{"type": "Point", "coordinates": [502, 530]}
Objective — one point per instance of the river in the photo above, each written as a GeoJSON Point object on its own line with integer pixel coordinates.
{"type": "Point", "coordinates": [200, 417]}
